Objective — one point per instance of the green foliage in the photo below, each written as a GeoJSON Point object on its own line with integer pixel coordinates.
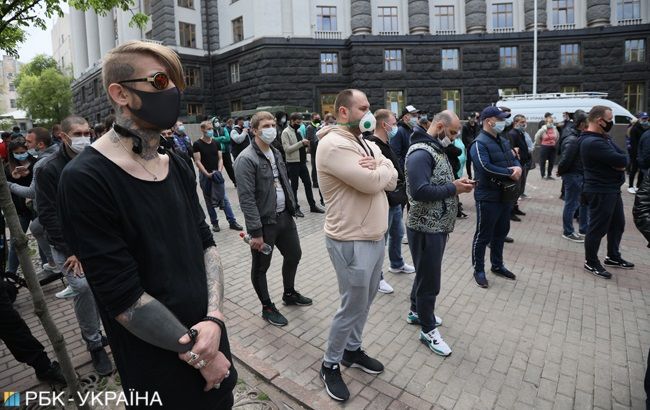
{"type": "Point", "coordinates": [18, 15]}
{"type": "Point", "coordinates": [35, 67]}
{"type": "Point", "coordinates": [46, 97]}
{"type": "Point", "coordinates": [6, 125]}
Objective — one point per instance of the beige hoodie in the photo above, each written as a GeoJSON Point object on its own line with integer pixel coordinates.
{"type": "Point", "coordinates": [357, 208]}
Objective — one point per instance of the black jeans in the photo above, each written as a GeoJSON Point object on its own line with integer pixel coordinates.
{"type": "Point", "coordinates": [297, 170]}
{"type": "Point", "coordinates": [284, 236]}
{"type": "Point", "coordinates": [314, 175]}
{"type": "Point", "coordinates": [427, 250]}
{"type": "Point", "coordinates": [227, 163]}
{"type": "Point", "coordinates": [468, 165]}
{"type": "Point", "coordinates": [606, 217]}
{"type": "Point", "coordinates": [546, 153]}
{"type": "Point", "coordinates": [17, 336]}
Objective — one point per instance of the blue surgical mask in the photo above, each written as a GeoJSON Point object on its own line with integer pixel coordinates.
{"type": "Point", "coordinates": [181, 128]}
{"type": "Point", "coordinates": [209, 133]}
{"type": "Point", "coordinates": [33, 152]}
{"type": "Point", "coordinates": [508, 121]}
{"type": "Point", "coordinates": [392, 132]}
{"type": "Point", "coordinates": [499, 126]}
{"type": "Point", "coordinates": [644, 124]}
{"type": "Point", "coordinates": [21, 157]}
{"type": "Point", "coordinates": [413, 122]}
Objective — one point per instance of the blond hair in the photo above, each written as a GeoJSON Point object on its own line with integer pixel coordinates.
{"type": "Point", "coordinates": [259, 117]}
{"type": "Point", "coordinates": [119, 63]}
{"type": "Point", "coordinates": [383, 115]}
{"type": "Point", "coordinates": [205, 124]}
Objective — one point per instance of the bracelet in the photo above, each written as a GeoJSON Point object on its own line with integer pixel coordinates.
{"type": "Point", "coordinates": [215, 320]}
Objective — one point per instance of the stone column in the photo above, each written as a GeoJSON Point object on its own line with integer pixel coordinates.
{"type": "Point", "coordinates": [92, 37]}
{"type": "Point", "coordinates": [106, 33]}
{"type": "Point", "coordinates": [163, 26]}
{"type": "Point", "coordinates": [598, 13]}
{"type": "Point", "coordinates": [78, 37]}
{"type": "Point", "coordinates": [361, 17]}
{"type": "Point", "coordinates": [419, 17]}
{"type": "Point", "coordinates": [529, 6]}
{"type": "Point", "coordinates": [475, 16]}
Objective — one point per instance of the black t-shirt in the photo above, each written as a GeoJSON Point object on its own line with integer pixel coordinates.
{"type": "Point", "coordinates": [134, 236]}
{"type": "Point", "coordinates": [209, 154]}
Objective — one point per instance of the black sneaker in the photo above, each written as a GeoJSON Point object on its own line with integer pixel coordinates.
{"type": "Point", "coordinates": [334, 384]}
{"type": "Point", "coordinates": [296, 299]}
{"type": "Point", "coordinates": [573, 237]}
{"type": "Point", "coordinates": [52, 375]}
{"type": "Point", "coordinates": [461, 215]}
{"type": "Point", "coordinates": [515, 218]}
{"type": "Point", "coordinates": [101, 362]}
{"type": "Point", "coordinates": [273, 316]}
{"type": "Point", "coordinates": [235, 226]}
{"type": "Point", "coordinates": [618, 263]}
{"type": "Point", "coordinates": [508, 240]}
{"type": "Point", "coordinates": [518, 211]}
{"type": "Point", "coordinates": [359, 358]}
{"type": "Point", "coordinates": [502, 271]}
{"type": "Point", "coordinates": [215, 227]}
{"type": "Point", "coordinates": [299, 213]}
{"type": "Point", "coordinates": [598, 270]}
{"type": "Point", "coordinates": [316, 209]}
{"type": "Point", "coordinates": [481, 280]}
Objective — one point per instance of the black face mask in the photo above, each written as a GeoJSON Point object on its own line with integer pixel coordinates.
{"type": "Point", "coordinates": [296, 126]}
{"type": "Point", "coordinates": [167, 142]}
{"type": "Point", "coordinates": [158, 109]}
{"type": "Point", "coordinates": [608, 125]}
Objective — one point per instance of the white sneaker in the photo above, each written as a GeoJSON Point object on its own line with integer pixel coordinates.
{"type": "Point", "coordinates": [405, 240]}
{"type": "Point", "coordinates": [68, 292]}
{"type": "Point", "coordinates": [406, 268]}
{"type": "Point", "coordinates": [631, 190]}
{"type": "Point", "coordinates": [384, 287]}
{"type": "Point", "coordinates": [51, 268]}
{"type": "Point", "coordinates": [434, 341]}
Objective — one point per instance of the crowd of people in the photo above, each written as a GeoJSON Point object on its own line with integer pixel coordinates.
{"type": "Point", "coordinates": [98, 201]}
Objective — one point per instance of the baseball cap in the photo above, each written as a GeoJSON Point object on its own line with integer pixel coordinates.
{"type": "Point", "coordinates": [493, 111]}
{"type": "Point", "coordinates": [642, 115]}
{"type": "Point", "coordinates": [409, 109]}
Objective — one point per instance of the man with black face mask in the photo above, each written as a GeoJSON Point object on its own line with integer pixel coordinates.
{"type": "Point", "coordinates": [168, 144]}
{"type": "Point", "coordinates": [162, 313]}
{"type": "Point", "coordinates": [604, 172]}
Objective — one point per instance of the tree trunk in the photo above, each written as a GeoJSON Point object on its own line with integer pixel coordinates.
{"type": "Point", "coordinates": [40, 307]}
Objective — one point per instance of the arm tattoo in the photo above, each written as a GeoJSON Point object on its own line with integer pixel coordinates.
{"type": "Point", "coordinates": [152, 322]}
{"type": "Point", "coordinates": [215, 278]}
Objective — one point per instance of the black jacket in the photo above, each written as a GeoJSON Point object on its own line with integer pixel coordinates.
{"type": "Point", "coordinates": [469, 133]}
{"type": "Point", "coordinates": [453, 152]}
{"type": "Point", "coordinates": [401, 142]}
{"type": "Point", "coordinates": [570, 161]}
{"type": "Point", "coordinates": [517, 139]}
{"type": "Point", "coordinates": [641, 209]}
{"type": "Point", "coordinates": [600, 159]}
{"type": "Point", "coordinates": [47, 185]}
{"type": "Point", "coordinates": [643, 148]}
{"type": "Point", "coordinates": [388, 152]}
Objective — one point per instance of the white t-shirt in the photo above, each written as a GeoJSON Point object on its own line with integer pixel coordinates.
{"type": "Point", "coordinates": [279, 192]}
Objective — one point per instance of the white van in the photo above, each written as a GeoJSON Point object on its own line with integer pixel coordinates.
{"type": "Point", "coordinates": [535, 106]}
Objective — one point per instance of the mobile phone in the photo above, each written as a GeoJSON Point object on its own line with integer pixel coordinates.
{"type": "Point", "coordinates": [475, 181]}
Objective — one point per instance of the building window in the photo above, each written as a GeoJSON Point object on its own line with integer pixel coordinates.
{"type": "Point", "coordinates": [509, 91]}
{"type": "Point", "coordinates": [508, 57]}
{"type": "Point", "coordinates": [628, 10]}
{"type": "Point", "coordinates": [329, 63]}
{"type": "Point", "coordinates": [569, 55]}
{"type": "Point", "coordinates": [187, 34]}
{"type": "Point", "coordinates": [188, 4]}
{"type": "Point", "coordinates": [634, 97]}
{"type": "Point", "coordinates": [395, 101]}
{"type": "Point", "coordinates": [12, 87]}
{"type": "Point", "coordinates": [327, 103]}
{"type": "Point", "coordinates": [388, 22]}
{"type": "Point", "coordinates": [502, 17]}
{"type": "Point", "coordinates": [234, 73]}
{"type": "Point", "coordinates": [570, 89]}
{"type": "Point", "coordinates": [83, 93]}
{"type": "Point", "coordinates": [444, 19]}
{"type": "Point", "coordinates": [194, 109]}
{"type": "Point", "coordinates": [635, 51]}
{"type": "Point", "coordinates": [236, 105]}
{"type": "Point", "coordinates": [450, 59]}
{"type": "Point", "coordinates": [326, 18]}
{"type": "Point", "coordinates": [393, 60]}
{"type": "Point", "coordinates": [146, 7]}
{"type": "Point", "coordinates": [12, 103]}
{"type": "Point", "coordinates": [238, 29]}
{"type": "Point", "coordinates": [563, 13]}
{"type": "Point", "coordinates": [193, 76]}
{"type": "Point", "coordinates": [451, 100]}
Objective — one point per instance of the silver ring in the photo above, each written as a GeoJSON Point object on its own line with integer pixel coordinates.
{"type": "Point", "coordinates": [201, 364]}
{"type": "Point", "coordinates": [193, 357]}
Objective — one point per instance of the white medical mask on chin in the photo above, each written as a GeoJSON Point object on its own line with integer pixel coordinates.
{"type": "Point", "coordinates": [368, 122]}
{"type": "Point", "coordinates": [268, 135]}
{"type": "Point", "coordinates": [78, 144]}
{"type": "Point", "coordinates": [445, 142]}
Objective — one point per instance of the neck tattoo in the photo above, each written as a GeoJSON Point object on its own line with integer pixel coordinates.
{"type": "Point", "coordinates": [116, 138]}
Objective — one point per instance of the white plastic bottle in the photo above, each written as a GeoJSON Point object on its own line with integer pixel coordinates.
{"type": "Point", "coordinates": [266, 248]}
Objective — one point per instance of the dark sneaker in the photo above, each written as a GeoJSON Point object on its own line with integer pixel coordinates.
{"type": "Point", "coordinates": [101, 362]}
{"type": "Point", "coordinates": [550, 178]}
{"type": "Point", "coordinates": [515, 218]}
{"type": "Point", "coordinates": [480, 279]}
{"type": "Point", "coordinates": [215, 227]}
{"type": "Point", "coordinates": [618, 263]}
{"type": "Point", "coordinates": [334, 384]}
{"type": "Point", "coordinates": [271, 315]}
{"type": "Point", "coordinates": [53, 375]}
{"type": "Point", "coordinates": [235, 226]}
{"type": "Point", "coordinates": [502, 271]}
{"type": "Point", "coordinates": [316, 210]}
{"type": "Point", "coordinates": [461, 215]}
{"type": "Point", "coordinates": [508, 240]}
{"type": "Point", "coordinates": [598, 270]}
{"type": "Point", "coordinates": [518, 211]}
{"type": "Point", "coordinates": [296, 299]}
{"type": "Point", "coordinates": [299, 213]}
{"type": "Point", "coordinates": [360, 359]}
{"type": "Point", "coordinates": [574, 238]}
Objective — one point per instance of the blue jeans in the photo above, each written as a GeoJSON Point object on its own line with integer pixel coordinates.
{"type": "Point", "coordinates": [206, 186]}
{"type": "Point", "coordinates": [572, 190]}
{"type": "Point", "coordinates": [13, 262]}
{"type": "Point", "coordinates": [394, 236]}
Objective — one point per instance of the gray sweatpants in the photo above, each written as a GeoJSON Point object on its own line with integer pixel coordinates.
{"type": "Point", "coordinates": [358, 270]}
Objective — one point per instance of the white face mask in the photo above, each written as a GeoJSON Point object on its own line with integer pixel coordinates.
{"type": "Point", "coordinates": [268, 135]}
{"type": "Point", "coordinates": [368, 122]}
{"type": "Point", "coordinates": [445, 142]}
{"type": "Point", "coordinates": [78, 144]}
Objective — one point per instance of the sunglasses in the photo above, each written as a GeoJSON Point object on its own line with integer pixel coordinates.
{"type": "Point", "coordinates": [159, 81]}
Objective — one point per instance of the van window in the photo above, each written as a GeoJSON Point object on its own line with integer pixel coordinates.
{"type": "Point", "coordinates": [622, 119]}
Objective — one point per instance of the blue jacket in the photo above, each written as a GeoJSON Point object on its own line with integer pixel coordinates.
{"type": "Point", "coordinates": [491, 157]}
{"type": "Point", "coordinates": [401, 142]}
{"type": "Point", "coordinates": [600, 156]}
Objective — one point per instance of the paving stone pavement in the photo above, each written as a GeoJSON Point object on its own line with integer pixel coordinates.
{"type": "Point", "coordinates": [556, 338]}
